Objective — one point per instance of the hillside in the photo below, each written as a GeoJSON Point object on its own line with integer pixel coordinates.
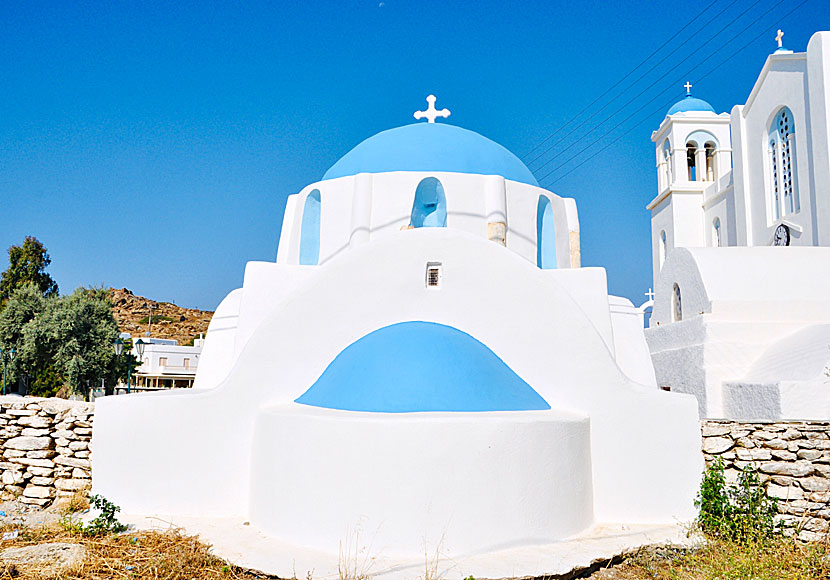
{"type": "Point", "coordinates": [169, 320]}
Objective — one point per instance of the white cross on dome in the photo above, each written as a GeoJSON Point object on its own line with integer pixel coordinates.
{"type": "Point", "coordinates": [431, 113]}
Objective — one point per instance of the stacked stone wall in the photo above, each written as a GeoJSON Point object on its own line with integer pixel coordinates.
{"type": "Point", "coordinates": [792, 459]}
{"type": "Point", "coordinates": [46, 448]}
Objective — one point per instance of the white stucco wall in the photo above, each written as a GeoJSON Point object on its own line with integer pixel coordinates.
{"type": "Point", "coordinates": [630, 347]}
{"type": "Point", "coordinates": [644, 443]}
{"type": "Point", "coordinates": [373, 207]}
{"type": "Point", "coordinates": [736, 304]}
{"type": "Point", "coordinates": [218, 349]}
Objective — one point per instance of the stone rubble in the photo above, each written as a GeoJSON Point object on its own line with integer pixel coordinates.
{"type": "Point", "coordinates": [792, 459]}
{"type": "Point", "coordinates": [46, 448]}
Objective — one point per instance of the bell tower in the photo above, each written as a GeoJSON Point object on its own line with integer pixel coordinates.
{"type": "Point", "coordinates": [693, 151]}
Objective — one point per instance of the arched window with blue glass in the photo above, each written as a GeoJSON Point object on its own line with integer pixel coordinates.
{"type": "Point", "coordinates": [545, 235]}
{"type": "Point", "coordinates": [310, 231]}
{"type": "Point", "coordinates": [429, 209]}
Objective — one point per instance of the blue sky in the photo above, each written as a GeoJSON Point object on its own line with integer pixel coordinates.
{"type": "Point", "coordinates": [153, 145]}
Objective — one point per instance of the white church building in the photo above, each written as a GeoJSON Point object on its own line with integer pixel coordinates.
{"type": "Point", "coordinates": [426, 360]}
{"type": "Point", "coordinates": [741, 245]}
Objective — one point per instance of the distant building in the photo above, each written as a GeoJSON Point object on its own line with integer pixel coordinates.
{"type": "Point", "coordinates": [740, 236]}
{"type": "Point", "coordinates": [165, 364]}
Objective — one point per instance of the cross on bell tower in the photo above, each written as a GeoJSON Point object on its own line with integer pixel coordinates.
{"type": "Point", "coordinates": [431, 113]}
{"type": "Point", "coordinates": [780, 38]}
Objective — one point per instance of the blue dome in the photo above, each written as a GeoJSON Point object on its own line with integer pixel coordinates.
{"type": "Point", "coordinates": [420, 366]}
{"type": "Point", "coordinates": [431, 147]}
{"type": "Point", "coordinates": [690, 103]}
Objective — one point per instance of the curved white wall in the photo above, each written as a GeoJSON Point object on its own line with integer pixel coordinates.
{"type": "Point", "coordinates": [185, 447]}
{"type": "Point", "coordinates": [218, 351]}
{"type": "Point", "coordinates": [476, 480]}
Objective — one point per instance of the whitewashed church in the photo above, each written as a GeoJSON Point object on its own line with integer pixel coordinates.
{"type": "Point", "coordinates": [741, 245]}
{"type": "Point", "coordinates": [425, 359]}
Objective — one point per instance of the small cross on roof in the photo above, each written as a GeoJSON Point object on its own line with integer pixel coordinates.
{"type": "Point", "coordinates": [688, 87]}
{"type": "Point", "coordinates": [431, 113]}
{"type": "Point", "coordinates": [780, 37]}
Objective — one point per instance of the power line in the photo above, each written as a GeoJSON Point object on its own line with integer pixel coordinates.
{"type": "Point", "coordinates": [615, 85]}
{"type": "Point", "coordinates": [713, 69]}
{"type": "Point", "coordinates": [645, 90]}
{"type": "Point", "coordinates": [638, 79]}
{"type": "Point", "coordinates": [750, 25]}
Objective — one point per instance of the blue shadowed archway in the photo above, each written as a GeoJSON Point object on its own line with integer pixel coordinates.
{"type": "Point", "coordinates": [310, 230]}
{"type": "Point", "coordinates": [545, 235]}
{"type": "Point", "coordinates": [420, 366]}
{"type": "Point", "coordinates": [429, 208]}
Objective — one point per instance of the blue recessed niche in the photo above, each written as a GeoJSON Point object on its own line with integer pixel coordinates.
{"type": "Point", "coordinates": [429, 208]}
{"type": "Point", "coordinates": [417, 367]}
{"type": "Point", "coordinates": [545, 235]}
{"type": "Point", "coordinates": [310, 230]}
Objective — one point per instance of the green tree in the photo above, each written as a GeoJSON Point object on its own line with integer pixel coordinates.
{"type": "Point", "coordinates": [78, 331]}
{"type": "Point", "coordinates": [24, 304]}
{"type": "Point", "coordinates": [64, 341]}
{"type": "Point", "coordinates": [27, 265]}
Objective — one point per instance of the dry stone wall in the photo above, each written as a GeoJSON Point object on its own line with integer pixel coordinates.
{"type": "Point", "coordinates": [792, 459]}
{"type": "Point", "coordinates": [46, 448]}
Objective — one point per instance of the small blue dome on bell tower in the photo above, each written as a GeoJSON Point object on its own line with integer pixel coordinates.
{"type": "Point", "coordinates": [690, 104]}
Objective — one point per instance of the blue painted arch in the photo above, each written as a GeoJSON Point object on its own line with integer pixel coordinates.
{"type": "Point", "coordinates": [431, 147]}
{"type": "Point", "coordinates": [429, 208]}
{"type": "Point", "coordinates": [418, 367]}
{"type": "Point", "coordinates": [310, 230]}
{"type": "Point", "coordinates": [545, 235]}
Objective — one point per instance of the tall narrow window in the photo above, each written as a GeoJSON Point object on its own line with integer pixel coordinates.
{"type": "Point", "coordinates": [667, 161]}
{"type": "Point", "coordinates": [429, 209]}
{"type": "Point", "coordinates": [782, 177]}
{"type": "Point", "coordinates": [545, 235]}
{"type": "Point", "coordinates": [716, 233]}
{"type": "Point", "coordinates": [661, 248]}
{"type": "Point", "coordinates": [691, 154]}
{"type": "Point", "coordinates": [310, 232]}
{"type": "Point", "coordinates": [677, 304]}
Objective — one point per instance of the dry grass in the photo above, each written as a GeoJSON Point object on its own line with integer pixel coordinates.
{"type": "Point", "coordinates": [173, 555]}
{"type": "Point", "coordinates": [78, 502]}
{"type": "Point", "coordinates": [777, 559]}
{"type": "Point", "coordinates": [152, 555]}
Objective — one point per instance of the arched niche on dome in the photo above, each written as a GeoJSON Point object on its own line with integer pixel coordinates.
{"type": "Point", "coordinates": [310, 230]}
{"type": "Point", "coordinates": [545, 235]}
{"type": "Point", "coordinates": [429, 208]}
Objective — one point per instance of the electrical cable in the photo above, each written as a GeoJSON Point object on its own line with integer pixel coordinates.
{"type": "Point", "coordinates": [638, 79]}
{"type": "Point", "coordinates": [645, 90]}
{"type": "Point", "coordinates": [713, 69]}
{"type": "Point", "coordinates": [679, 78]}
{"type": "Point", "coordinates": [612, 87]}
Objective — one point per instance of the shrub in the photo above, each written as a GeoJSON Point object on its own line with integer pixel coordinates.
{"type": "Point", "coordinates": [739, 512]}
{"type": "Point", "coordinates": [106, 522]}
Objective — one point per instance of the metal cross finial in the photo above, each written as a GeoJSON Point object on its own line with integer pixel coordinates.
{"type": "Point", "coordinates": [431, 113]}
{"type": "Point", "coordinates": [688, 87]}
{"type": "Point", "coordinates": [779, 37]}
{"type": "Point", "coordinates": [650, 294]}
